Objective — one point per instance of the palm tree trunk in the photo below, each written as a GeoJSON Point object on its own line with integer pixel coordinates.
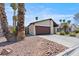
{"type": "Point", "coordinates": [21, 29]}
{"type": "Point", "coordinates": [14, 22]}
{"type": "Point", "coordinates": [4, 23]}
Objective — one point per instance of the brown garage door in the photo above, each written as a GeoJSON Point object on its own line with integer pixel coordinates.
{"type": "Point", "coordinates": [42, 30]}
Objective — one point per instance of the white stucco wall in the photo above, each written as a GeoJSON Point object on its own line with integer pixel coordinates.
{"type": "Point", "coordinates": [31, 29]}
{"type": "Point", "coordinates": [55, 29]}
{"type": "Point", "coordinates": [52, 27]}
{"type": "Point", "coordinates": [73, 28]}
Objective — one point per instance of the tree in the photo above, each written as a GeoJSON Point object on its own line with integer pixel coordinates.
{"type": "Point", "coordinates": [21, 29]}
{"type": "Point", "coordinates": [4, 23]}
{"type": "Point", "coordinates": [36, 18]}
{"type": "Point", "coordinates": [60, 20]}
{"type": "Point", "coordinates": [69, 21]}
{"type": "Point", "coordinates": [64, 20]}
{"type": "Point", "coordinates": [64, 25]}
{"type": "Point", "coordinates": [14, 7]}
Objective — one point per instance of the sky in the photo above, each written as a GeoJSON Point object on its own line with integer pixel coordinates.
{"type": "Point", "coordinates": [56, 11]}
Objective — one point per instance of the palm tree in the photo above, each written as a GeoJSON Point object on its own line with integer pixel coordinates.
{"type": "Point", "coordinates": [4, 23]}
{"type": "Point", "coordinates": [65, 27]}
{"type": "Point", "coordinates": [60, 20]}
{"type": "Point", "coordinates": [21, 29]}
{"type": "Point", "coordinates": [63, 20]}
{"type": "Point", "coordinates": [60, 25]}
{"type": "Point", "coordinates": [14, 7]}
{"type": "Point", "coordinates": [69, 21]}
{"type": "Point", "coordinates": [36, 18]}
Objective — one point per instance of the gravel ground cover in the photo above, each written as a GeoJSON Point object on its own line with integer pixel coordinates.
{"type": "Point", "coordinates": [32, 46]}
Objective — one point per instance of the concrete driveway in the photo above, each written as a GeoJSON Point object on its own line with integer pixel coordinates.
{"type": "Point", "coordinates": [64, 40]}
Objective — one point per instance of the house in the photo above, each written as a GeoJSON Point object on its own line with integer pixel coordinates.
{"type": "Point", "coordinates": [47, 26]}
{"type": "Point", "coordinates": [73, 27]}
{"type": "Point", "coordinates": [70, 28]}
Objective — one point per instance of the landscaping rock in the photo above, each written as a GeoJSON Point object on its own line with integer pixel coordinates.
{"type": "Point", "coordinates": [33, 46]}
{"type": "Point", "coordinates": [6, 51]}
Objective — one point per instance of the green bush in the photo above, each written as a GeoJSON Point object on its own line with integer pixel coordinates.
{"type": "Point", "coordinates": [67, 32]}
{"type": "Point", "coordinates": [14, 30]}
{"type": "Point", "coordinates": [62, 33]}
{"type": "Point", "coordinates": [77, 31]}
{"type": "Point", "coordinates": [72, 34]}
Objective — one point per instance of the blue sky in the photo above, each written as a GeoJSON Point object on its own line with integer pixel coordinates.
{"type": "Point", "coordinates": [56, 11]}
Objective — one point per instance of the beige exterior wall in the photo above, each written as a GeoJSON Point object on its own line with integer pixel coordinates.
{"type": "Point", "coordinates": [73, 28]}
{"type": "Point", "coordinates": [52, 28]}
{"type": "Point", "coordinates": [47, 23]}
{"type": "Point", "coordinates": [55, 29]}
{"type": "Point", "coordinates": [43, 23]}
{"type": "Point", "coordinates": [34, 33]}
{"type": "Point", "coordinates": [31, 29]}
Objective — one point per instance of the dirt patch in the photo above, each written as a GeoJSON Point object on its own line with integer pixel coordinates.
{"type": "Point", "coordinates": [34, 46]}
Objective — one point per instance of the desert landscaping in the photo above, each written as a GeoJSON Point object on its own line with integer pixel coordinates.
{"type": "Point", "coordinates": [39, 38]}
{"type": "Point", "coordinates": [32, 46]}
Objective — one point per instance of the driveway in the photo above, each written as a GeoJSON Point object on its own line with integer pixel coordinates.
{"type": "Point", "coordinates": [64, 40]}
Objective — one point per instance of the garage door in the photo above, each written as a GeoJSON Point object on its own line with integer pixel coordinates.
{"type": "Point", "coordinates": [42, 30]}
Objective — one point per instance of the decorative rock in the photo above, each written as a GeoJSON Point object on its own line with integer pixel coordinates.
{"type": "Point", "coordinates": [49, 53]}
{"type": "Point", "coordinates": [6, 51]}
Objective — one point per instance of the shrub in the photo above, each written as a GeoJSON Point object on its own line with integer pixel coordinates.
{"type": "Point", "coordinates": [77, 31]}
{"type": "Point", "coordinates": [67, 32]}
{"type": "Point", "coordinates": [14, 30]}
{"type": "Point", "coordinates": [57, 33]}
{"type": "Point", "coordinates": [62, 33]}
{"type": "Point", "coordinates": [72, 34]}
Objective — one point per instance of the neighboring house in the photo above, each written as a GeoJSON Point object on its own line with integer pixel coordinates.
{"type": "Point", "coordinates": [47, 26]}
{"type": "Point", "coordinates": [71, 28]}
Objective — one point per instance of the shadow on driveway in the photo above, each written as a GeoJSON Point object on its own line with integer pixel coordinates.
{"type": "Point", "coordinates": [5, 43]}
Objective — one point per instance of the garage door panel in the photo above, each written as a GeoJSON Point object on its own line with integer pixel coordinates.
{"type": "Point", "coordinates": [42, 30]}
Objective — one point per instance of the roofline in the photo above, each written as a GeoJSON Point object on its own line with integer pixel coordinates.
{"type": "Point", "coordinates": [41, 21]}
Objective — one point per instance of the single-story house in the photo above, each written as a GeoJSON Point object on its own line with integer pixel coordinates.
{"type": "Point", "coordinates": [43, 27]}
{"type": "Point", "coordinates": [71, 28]}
